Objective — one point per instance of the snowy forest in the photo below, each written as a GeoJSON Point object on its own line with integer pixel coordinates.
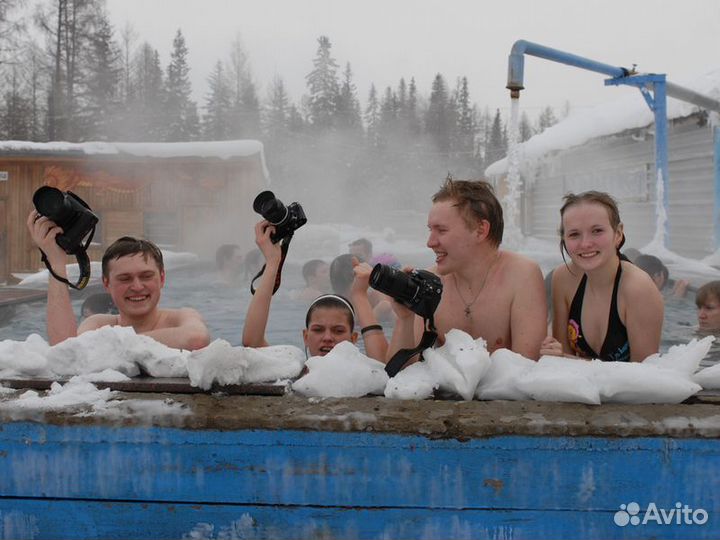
{"type": "Point", "coordinates": [69, 75]}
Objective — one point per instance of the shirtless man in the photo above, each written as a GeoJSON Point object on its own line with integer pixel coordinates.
{"type": "Point", "coordinates": [487, 292]}
{"type": "Point", "coordinates": [133, 274]}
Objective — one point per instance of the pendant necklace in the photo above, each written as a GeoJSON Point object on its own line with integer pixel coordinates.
{"type": "Point", "coordinates": [468, 305]}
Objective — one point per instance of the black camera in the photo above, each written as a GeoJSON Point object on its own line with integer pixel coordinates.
{"type": "Point", "coordinates": [69, 212]}
{"type": "Point", "coordinates": [287, 219]}
{"type": "Point", "coordinates": [419, 291]}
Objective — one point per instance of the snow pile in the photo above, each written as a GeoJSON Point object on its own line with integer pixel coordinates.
{"type": "Point", "coordinates": [506, 367]}
{"type": "Point", "coordinates": [224, 364]}
{"type": "Point", "coordinates": [459, 364]}
{"type": "Point", "coordinates": [343, 372]}
{"type": "Point", "coordinates": [77, 392]}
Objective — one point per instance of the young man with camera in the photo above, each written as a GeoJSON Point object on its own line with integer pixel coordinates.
{"type": "Point", "coordinates": [489, 293]}
{"type": "Point", "coordinates": [133, 274]}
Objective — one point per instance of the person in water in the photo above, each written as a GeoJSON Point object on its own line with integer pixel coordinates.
{"type": "Point", "coordinates": [487, 292]}
{"type": "Point", "coordinates": [330, 319]}
{"type": "Point", "coordinates": [134, 274]}
{"type": "Point", "coordinates": [707, 300]}
{"type": "Point", "coordinates": [604, 306]}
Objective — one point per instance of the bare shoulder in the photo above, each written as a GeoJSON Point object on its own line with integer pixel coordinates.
{"type": "Point", "coordinates": [519, 266]}
{"type": "Point", "coordinates": [636, 283]}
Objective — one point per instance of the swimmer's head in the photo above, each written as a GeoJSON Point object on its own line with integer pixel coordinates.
{"type": "Point", "coordinates": [330, 319]}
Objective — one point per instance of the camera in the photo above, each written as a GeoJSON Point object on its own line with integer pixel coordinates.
{"type": "Point", "coordinates": [69, 212]}
{"type": "Point", "coordinates": [419, 291]}
{"type": "Point", "coordinates": [286, 219]}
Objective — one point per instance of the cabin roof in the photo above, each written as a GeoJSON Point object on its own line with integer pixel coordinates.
{"type": "Point", "coordinates": [226, 150]}
{"type": "Point", "coordinates": [626, 113]}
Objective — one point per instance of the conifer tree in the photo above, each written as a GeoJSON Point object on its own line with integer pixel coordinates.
{"type": "Point", "coordinates": [180, 111]}
{"type": "Point", "coordinates": [323, 87]}
{"type": "Point", "coordinates": [439, 117]}
{"type": "Point", "coordinates": [216, 121]}
{"type": "Point", "coordinates": [466, 124]}
{"type": "Point", "coordinates": [496, 147]}
{"type": "Point", "coordinates": [348, 106]}
{"type": "Point", "coordinates": [546, 119]}
{"type": "Point", "coordinates": [372, 118]}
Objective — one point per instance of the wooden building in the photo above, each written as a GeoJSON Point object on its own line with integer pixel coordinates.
{"type": "Point", "coordinates": [182, 196]}
{"type": "Point", "coordinates": [611, 148]}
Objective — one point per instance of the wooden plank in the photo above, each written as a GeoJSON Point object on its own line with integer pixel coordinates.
{"type": "Point", "coordinates": [16, 295]}
{"type": "Point", "coordinates": [174, 385]}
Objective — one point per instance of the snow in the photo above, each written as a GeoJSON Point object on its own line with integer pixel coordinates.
{"type": "Point", "coordinates": [629, 112]}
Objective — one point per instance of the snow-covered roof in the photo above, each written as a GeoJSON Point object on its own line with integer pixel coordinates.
{"type": "Point", "coordinates": [629, 112]}
{"type": "Point", "coordinates": [206, 149]}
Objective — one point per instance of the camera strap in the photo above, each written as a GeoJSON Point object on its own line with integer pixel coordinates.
{"type": "Point", "coordinates": [403, 356]}
{"type": "Point", "coordinates": [284, 246]}
{"type": "Point", "coordinates": [83, 265]}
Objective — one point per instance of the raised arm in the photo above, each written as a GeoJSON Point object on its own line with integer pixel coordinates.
{"type": "Point", "coordinates": [61, 321]}
{"type": "Point", "coordinates": [528, 313]}
{"type": "Point", "coordinates": [259, 308]}
{"type": "Point", "coordinates": [376, 344]}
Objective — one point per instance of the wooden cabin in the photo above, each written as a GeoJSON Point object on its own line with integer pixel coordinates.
{"type": "Point", "coordinates": [182, 196]}
{"type": "Point", "coordinates": [611, 148]}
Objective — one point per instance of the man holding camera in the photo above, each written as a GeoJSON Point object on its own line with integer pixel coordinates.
{"type": "Point", "coordinates": [133, 274]}
{"type": "Point", "coordinates": [488, 293]}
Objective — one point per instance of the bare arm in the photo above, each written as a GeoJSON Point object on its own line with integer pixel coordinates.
{"type": "Point", "coordinates": [259, 308]}
{"type": "Point", "coordinates": [186, 330]}
{"type": "Point", "coordinates": [528, 313]}
{"type": "Point", "coordinates": [61, 321]}
{"type": "Point", "coordinates": [376, 343]}
{"type": "Point", "coordinates": [643, 317]}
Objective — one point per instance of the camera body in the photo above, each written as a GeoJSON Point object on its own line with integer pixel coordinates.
{"type": "Point", "coordinates": [69, 212]}
{"type": "Point", "coordinates": [286, 219]}
{"type": "Point", "coordinates": [420, 290]}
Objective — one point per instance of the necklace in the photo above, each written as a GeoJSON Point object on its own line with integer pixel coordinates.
{"type": "Point", "coordinates": [468, 305]}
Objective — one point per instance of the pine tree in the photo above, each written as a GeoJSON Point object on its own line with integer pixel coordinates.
{"type": "Point", "coordinates": [215, 125]}
{"type": "Point", "coordinates": [16, 112]}
{"type": "Point", "coordinates": [245, 114]}
{"type": "Point", "coordinates": [496, 147]}
{"type": "Point", "coordinates": [323, 87]}
{"type": "Point", "coordinates": [546, 119]}
{"type": "Point", "coordinates": [388, 114]}
{"type": "Point", "coordinates": [275, 119]}
{"type": "Point", "coordinates": [525, 128]}
{"type": "Point", "coordinates": [439, 117]}
{"type": "Point", "coordinates": [372, 118]}
{"type": "Point", "coordinates": [410, 112]}
{"type": "Point", "coordinates": [100, 105]}
{"type": "Point", "coordinates": [348, 106]}
{"type": "Point", "coordinates": [180, 110]}
{"type": "Point", "coordinates": [466, 124]}
{"type": "Point", "coordinates": [146, 119]}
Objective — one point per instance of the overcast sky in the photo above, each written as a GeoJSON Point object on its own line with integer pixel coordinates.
{"type": "Point", "coordinates": [386, 39]}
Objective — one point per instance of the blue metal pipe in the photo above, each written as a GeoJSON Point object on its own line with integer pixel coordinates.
{"type": "Point", "coordinates": [716, 207]}
{"type": "Point", "coordinates": [516, 63]}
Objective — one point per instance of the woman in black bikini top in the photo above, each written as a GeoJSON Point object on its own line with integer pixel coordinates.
{"type": "Point", "coordinates": [599, 292]}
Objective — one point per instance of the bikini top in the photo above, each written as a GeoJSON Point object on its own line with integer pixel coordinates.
{"type": "Point", "coordinates": [616, 346]}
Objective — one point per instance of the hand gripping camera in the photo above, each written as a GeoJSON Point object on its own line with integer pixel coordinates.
{"type": "Point", "coordinates": [420, 291]}
{"type": "Point", "coordinates": [287, 219]}
{"type": "Point", "coordinates": [77, 221]}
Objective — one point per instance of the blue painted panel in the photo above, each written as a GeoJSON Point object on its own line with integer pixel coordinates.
{"type": "Point", "coordinates": [39, 519]}
{"type": "Point", "coordinates": [355, 469]}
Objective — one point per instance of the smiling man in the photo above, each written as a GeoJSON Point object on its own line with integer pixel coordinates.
{"type": "Point", "coordinates": [487, 292]}
{"type": "Point", "coordinates": [133, 274]}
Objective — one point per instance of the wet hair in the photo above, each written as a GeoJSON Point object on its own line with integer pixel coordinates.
{"type": "Point", "coordinates": [332, 301]}
{"type": "Point", "coordinates": [652, 265]}
{"type": "Point", "coordinates": [310, 268]}
{"type": "Point", "coordinates": [127, 245]}
{"type": "Point", "coordinates": [363, 243]}
{"type": "Point", "coordinates": [341, 273]}
{"type": "Point", "coordinates": [224, 253]}
{"type": "Point", "coordinates": [592, 197]}
{"type": "Point", "coordinates": [476, 201]}
{"type": "Point", "coordinates": [704, 293]}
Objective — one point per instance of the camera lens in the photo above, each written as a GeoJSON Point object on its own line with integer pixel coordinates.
{"type": "Point", "coordinates": [395, 283]}
{"type": "Point", "coordinates": [50, 202]}
{"type": "Point", "coordinates": [270, 207]}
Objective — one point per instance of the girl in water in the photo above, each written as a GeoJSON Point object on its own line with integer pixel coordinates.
{"type": "Point", "coordinates": [604, 307]}
{"type": "Point", "coordinates": [330, 318]}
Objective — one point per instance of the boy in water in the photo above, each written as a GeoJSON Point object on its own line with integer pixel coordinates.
{"type": "Point", "coordinates": [133, 273]}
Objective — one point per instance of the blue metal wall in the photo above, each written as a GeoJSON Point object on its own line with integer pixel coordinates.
{"type": "Point", "coordinates": [105, 482]}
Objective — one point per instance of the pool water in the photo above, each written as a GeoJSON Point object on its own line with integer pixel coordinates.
{"type": "Point", "coordinates": [224, 307]}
